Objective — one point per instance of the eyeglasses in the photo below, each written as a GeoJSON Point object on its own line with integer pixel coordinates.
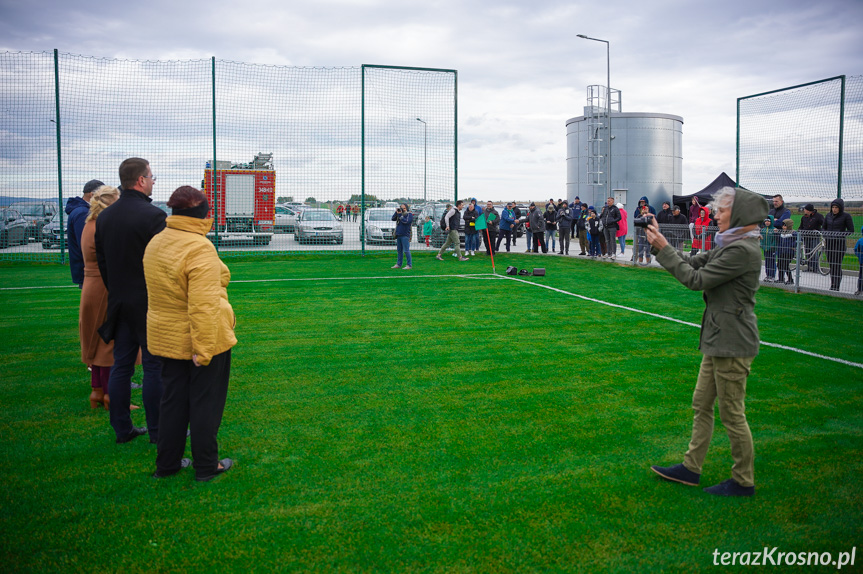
{"type": "Point", "coordinates": [152, 177]}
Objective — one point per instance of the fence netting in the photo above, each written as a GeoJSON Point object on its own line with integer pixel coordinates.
{"type": "Point", "coordinates": [789, 140]}
{"type": "Point", "coordinates": [291, 158]}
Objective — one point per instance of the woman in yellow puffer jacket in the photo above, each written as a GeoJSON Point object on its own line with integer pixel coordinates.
{"type": "Point", "coordinates": [190, 328]}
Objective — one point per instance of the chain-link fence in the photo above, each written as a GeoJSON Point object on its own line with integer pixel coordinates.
{"type": "Point", "coordinates": [291, 158]}
{"type": "Point", "coordinates": [802, 261]}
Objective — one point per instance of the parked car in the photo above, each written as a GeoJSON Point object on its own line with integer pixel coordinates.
{"type": "Point", "coordinates": [37, 213]}
{"type": "Point", "coordinates": [163, 205]}
{"type": "Point", "coordinates": [13, 228]}
{"type": "Point", "coordinates": [318, 226]}
{"type": "Point", "coordinates": [438, 236]}
{"type": "Point", "coordinates": [53, 234]}
{"type": "Point", "coordinates": [286, 219]}
{"type": "Point", "coordinates": [379, 225]}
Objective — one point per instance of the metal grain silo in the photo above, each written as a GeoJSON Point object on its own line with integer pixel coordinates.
{"type": "Point", "coordinates": [646, 157]}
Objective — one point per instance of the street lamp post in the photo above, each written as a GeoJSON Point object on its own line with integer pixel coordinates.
{"type": "Point", "coordinates": [607, 102]}
{"type": "Point", "coordinates": [425, 158]}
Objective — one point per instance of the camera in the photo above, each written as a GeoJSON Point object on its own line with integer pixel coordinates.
{"type": "Point", "coordinates": [643, 221]}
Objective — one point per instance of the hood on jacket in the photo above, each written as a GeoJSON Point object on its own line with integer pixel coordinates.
{"type": "Point", "coordinates": [772, 220]}
{"type": "Point", "coordinates": [645, 200]}
{"type": "Point", "coordinates": [191, 224]}
{"type": "Point", "coordinates": [840, 202]}
{"type": "Point", "coordinates": [748, 208]}
{"type": "Point", "coordinates": [76, 203]}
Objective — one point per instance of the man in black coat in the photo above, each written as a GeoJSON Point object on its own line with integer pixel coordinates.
{"type": "Point", "coordinates": [610, 218]}
{"type": "Point", "coordinates": [838, 225]}
{"type": "Point", "coordinates": [678, 232]}
{"type": "Point", "coordinates": [123, 231]}
{"type": "Point", "coordinates": [810, 226]}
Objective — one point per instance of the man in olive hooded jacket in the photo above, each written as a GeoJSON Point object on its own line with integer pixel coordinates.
{"type": "Point", "coordinates": [729, 342]}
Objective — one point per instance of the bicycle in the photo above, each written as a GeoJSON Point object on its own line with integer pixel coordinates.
{"type": "Point", "coordinates": [816, 256]}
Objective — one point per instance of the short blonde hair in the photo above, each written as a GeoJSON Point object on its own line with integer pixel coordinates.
{"type": "Point", "coordinates": [102, 198]}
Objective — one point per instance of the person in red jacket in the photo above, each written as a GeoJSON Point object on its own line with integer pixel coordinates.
{"type": "Point", "coordinates": [702, 237]}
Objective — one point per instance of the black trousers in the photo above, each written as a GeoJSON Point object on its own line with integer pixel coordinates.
{"type": "Point", "coordinates": [564, 240]}
{"type": "Point", "coordinates": [539, 240]}
{"type": "Point", "coordinates": [503, 233]}
{"type": "Point", "coordinates": [126, 345]}
{"type": "Point", "coordinates": [835, 248]}
{"type": "Point", "coordinates": [194, 398]}
{"type": "Point", "coordinates": [489, 237]}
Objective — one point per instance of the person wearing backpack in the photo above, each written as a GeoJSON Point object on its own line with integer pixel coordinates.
{"type": "Point", "coordinates": [450, 222]}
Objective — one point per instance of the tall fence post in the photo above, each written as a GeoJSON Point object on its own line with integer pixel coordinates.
{"type": "Point", "coordinates": [841, 137]}
{"type": "Point", "coordinates": [215, 171]}
{"type": "Point", "coordinates": [59, 153]}
{"type": "Point", "coordinates": [363, 160]}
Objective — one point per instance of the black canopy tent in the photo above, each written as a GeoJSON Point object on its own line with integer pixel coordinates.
{"type": "Point", "coordinates": [705, 196]}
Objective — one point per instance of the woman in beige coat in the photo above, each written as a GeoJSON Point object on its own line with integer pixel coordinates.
{"type": "Point", "coordinates": [190, 328]}
{"type": "Point", "coordinates": [95, 353]}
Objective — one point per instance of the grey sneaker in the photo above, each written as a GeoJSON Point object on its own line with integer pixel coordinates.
{"type": "Point", "coordinates": [677, 473]}
{"type": "Point", "coordinates": [407, 267]}
{"type": "Point", "coordinates": [438, 257]}
{"type": "Point", "coordinates": [396, 267]}
{"type": "Point", "coordinates": [462, 259]}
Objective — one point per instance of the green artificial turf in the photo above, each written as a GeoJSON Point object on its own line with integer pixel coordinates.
{"type": "Point", "coordinates": [436, 424]}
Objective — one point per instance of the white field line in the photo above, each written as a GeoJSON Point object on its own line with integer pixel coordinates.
{"type": "Point", "coordinates": [494, 276]}
{"type": "Point", "coordinates": [765, 343]}
{"type": "Point", "coordinates": [38, 287]}
{"type": "Point", "coordinates": [464, 276]}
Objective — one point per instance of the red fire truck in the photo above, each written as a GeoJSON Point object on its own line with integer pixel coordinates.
{"type": "Point", "coordinates": [246, 195]}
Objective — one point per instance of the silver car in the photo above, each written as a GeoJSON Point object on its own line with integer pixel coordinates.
{"type": "Point", "coordinates": [286, 218]}
{"type": "Point", "coordinates": [379, 225]}
{"type": "Point", "coordinates": [318, 226]}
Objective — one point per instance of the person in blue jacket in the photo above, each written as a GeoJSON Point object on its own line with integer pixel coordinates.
{"type": "Point", "coordinates": [404, 219]}
{"type": "Point", "coordinates": [644, 201]}
{"type": "Point", "coordinates": [77, 208]}
{"type": "Point", "coordinates": [858, 251]}
{"type": "Point", "coordinates": [507, 226]}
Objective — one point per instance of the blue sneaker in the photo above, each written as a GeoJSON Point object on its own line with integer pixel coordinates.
{"type": "Point", "coordinates": [730, 487]}
{"type": "Point", "coordinates": [677, 473]}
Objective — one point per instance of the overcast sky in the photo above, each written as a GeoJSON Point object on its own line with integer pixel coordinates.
{"type": "Point", "coordinates": [522, 70]}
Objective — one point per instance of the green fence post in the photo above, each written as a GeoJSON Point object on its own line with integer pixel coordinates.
{"type": "Point", "coordinates": [59, 152]}
{"type": "Point", "coordinates": [363, 161]}
{"type": "Point", "coordinates": [215, 172]}
{"type": "Point", "coordinates": [841, 136]}
{"type": "Point", "coordinates": [455, 136]}
{"type": "Point", "coordinates": [737, 148]}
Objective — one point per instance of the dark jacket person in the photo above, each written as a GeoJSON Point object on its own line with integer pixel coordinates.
{"type": "Point", "coordinates": [123, 231]}
{"type": "Point", "coordinates": [838, 225]}
{"type": "Point", "coordinates": [729, 342]}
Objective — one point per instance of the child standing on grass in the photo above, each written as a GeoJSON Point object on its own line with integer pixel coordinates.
{"type": "Point", "coordinates": [427, 230]}
{"type": "Point", "coordinates": [858, 251]}
{"type": "Point", "coordinates": [593, 233]}
{"type": "Point", "coordinates": [785, 252]}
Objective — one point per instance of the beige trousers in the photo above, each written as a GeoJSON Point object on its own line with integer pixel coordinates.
{"type": "Point", "coordinates": [452, 239]}
{"type": "Point", "coordinates": [722, 380]}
